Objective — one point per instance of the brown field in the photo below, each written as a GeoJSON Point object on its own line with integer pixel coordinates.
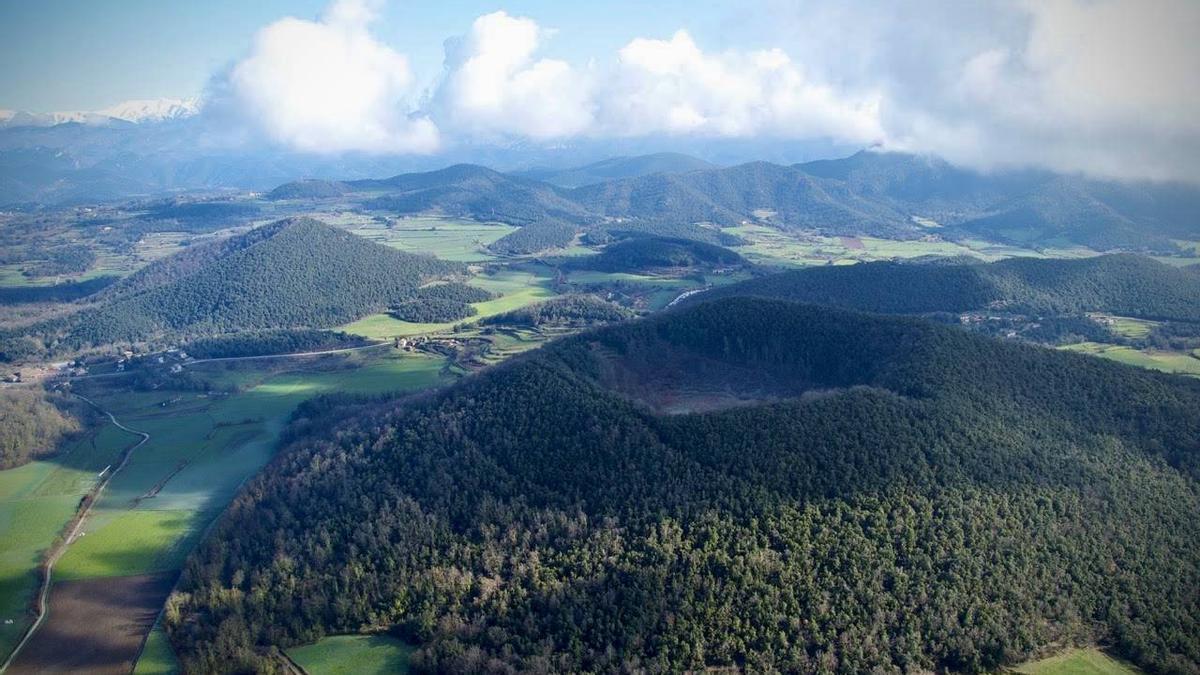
{"type": "Point", "coordinates": [95, 625]}
{"type": "Point", "coordinates": [852, 243]}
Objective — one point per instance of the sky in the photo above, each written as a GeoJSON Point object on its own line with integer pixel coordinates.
{"type": "Point", "coordinates": [91, 54]}
{"type": "Point", "coordinates": [1102, 87]}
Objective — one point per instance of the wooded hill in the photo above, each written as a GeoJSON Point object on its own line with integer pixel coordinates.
{"type": "Point", "coordinates": [1126, 285]}
{"type": "Point", "coordinates": [899, 496]}
{"type": "Point", "coordinates": [291, 273]}
{"type": "Point", "coordinates": [618, 167]}
{"type": "Point", "coordinates": [869, 193]}
{"type": "Point", "coordinates": [639, 254]}
{"type": "Point", "coordinates": [467, 190]}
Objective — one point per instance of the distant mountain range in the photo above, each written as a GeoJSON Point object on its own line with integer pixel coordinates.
{"type": "Point", "coordinates": [618, 167]}
{"type": "Point", "coordinates": [134, 112]}
{"type": "Point", "coordinates": [870, 193]}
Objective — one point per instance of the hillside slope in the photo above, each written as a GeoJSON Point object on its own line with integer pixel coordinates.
{"type": "Point", "coordinates": [618, 167]}
{"type": "Point", "coordinates": [871, 493]}
{"type": "Point", "coordinates": [291, 273]}
{"type": "Point", "coordinates": [639, 254]}
{"type": "Point", "coordinates": [467, 190]}
{"type": "Point", "coordinates": [1025, 207]}
{"type": "Point", "coordinates": [787, 196]}
{"type": "Point", "coordinates": [1127, 285]}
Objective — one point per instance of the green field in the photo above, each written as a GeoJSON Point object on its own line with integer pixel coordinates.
{"type": "Point", "coordinates": [36, 501]}
{"type": "Point", "coordinates": [458, 240]}
{"type": "Point", "coordinates": [353, 655]}
{"type": "Point", "coordinates": [771, 246]}
{"type": "Point", "coordinates": [202, 448]}
{"type": "Point", "coordinates": [516, 287]}
{"type": "Point", "coordinates": [1181, 363]}
{"type": "Point", "coordinates": [157, 658]}
{"type": "Point", "coordinates": [1078, 662]}
{"type": "Point", "coordinates": [1125, 326]}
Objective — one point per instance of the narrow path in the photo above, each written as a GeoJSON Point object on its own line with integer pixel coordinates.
{"type": "Point", "coordinates": [342, 350]}
{"type": "Point", "coordinates": [48, 567]}
{"type": "Point", "coordinates": [685, 295]}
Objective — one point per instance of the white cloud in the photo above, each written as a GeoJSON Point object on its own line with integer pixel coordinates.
{"type": "Point", "coordinates": [494, 85]}
{"type": "Point", "coordinates": [674, 87]}
{"type": "Point", "coordinates": [330, 86]}
{"type": "Point", "coordinates": [1104, 87]}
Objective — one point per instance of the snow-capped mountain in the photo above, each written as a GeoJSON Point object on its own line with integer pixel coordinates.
{"type": "Point", "coordinates": [153, 110]}
{"type": "Point", "coordinates": [135, 111]}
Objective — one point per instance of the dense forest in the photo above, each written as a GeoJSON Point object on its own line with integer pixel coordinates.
{"type": "Point", "coordinates": [472, 191]}
{"type": "Point", "coordinates": [618, 167]}
{"type": "Point", "coordinates": [33, 423]}
{"type": "Point", "coordinates": [199, 216]}
{"type": "Point", "coordinates": [1126, 285]}
{"type": "Point", "coordinates": [729, 196]}
{"type": "Point", "coordinates": [647, 253]}
{"type": "Point", "coordinates": [863, 493]}
{"type": "Point", "coordinates": [568, 310]}
{"type": "Point", "coordinates": [309, 189]}
{"type": "Point", "coordinates": [642, 227]}
{"type": "Point", "coordinates": [439, 303]}
{"type": "Point", "coordinates": [291, 273]}
{"type": "Point", "coordinates": [434, 310]}
{"type": "Point", "coordinates": [262, 342]}
{"type": "Point", "coordinates": [535, 237]}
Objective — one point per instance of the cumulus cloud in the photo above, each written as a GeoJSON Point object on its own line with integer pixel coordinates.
{"type": "Point", "coordinates": [674, 87]}
{"type": "Point", "coordinates": [494, 84]}
{"type": "Point", "coordinates": [1104, 87]}
{"type": "Point", "coordinates": [330, 86]}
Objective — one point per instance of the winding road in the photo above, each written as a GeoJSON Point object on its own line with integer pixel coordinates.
{"type": "Point", "coordinates": [48, 567]}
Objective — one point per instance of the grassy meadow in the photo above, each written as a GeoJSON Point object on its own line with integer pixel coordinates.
{"type": "Point", "coordinates": [36, 501]}
{"type": "Point", "coordinates": [1180, 363]}
{"type": "Point", "coordinates": [514, 288]}
{"type": "Point", "coordinates": [1078, 662]}
{"type": "Point", "coordinates": [353, 655]}
{"type": "Point", "coordinates": [157, 657]}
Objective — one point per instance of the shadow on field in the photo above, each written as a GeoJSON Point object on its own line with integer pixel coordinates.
{"type": "Point", "coordinates": [96, 625]}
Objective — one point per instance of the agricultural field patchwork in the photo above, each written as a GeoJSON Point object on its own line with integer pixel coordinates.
{"type": "Point", "coordinates": [771, 246]}
{"type": "Point", "coordinates": [515, 288]}
{"type": "Point", "coordinates": [448, 239]}
{"type": "Point", "coordinates": [36, 501]}
{"type": "Point", "coordinates": [202, 448]}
